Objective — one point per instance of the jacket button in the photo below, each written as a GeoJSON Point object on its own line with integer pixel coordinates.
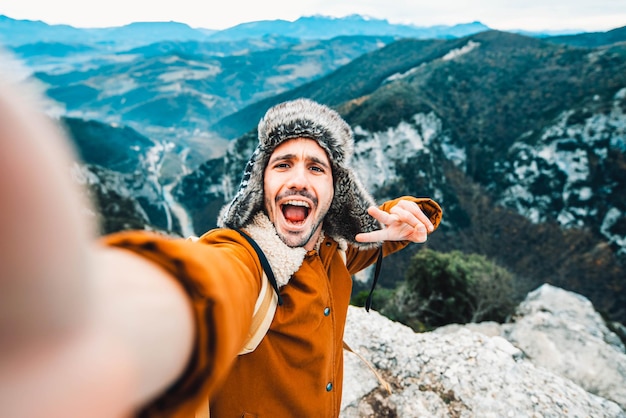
{"type": "Point", "coordinates": [329, 387]}
{"type": "Point", "coordinates": [326, 311]}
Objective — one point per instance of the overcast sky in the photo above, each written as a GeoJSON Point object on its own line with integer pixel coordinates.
{"type": "Point", "coordinates": [588, 15]}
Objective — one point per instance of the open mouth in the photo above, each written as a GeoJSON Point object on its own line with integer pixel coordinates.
{"type": "Point", "coordinates": [295, 211]}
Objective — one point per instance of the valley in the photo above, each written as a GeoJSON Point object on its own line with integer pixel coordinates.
{"type": "Point", "coordinates": [520, 138]}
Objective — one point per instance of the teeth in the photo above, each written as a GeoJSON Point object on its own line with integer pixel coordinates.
{"type": "Point", "coordinates": [297, 203]}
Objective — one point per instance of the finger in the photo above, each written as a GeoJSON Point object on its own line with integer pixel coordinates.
{"type": "Point", "coordinates": [380, 215]}
{"type": "Point", "coordinates": [419, 234]}
{"type": "Point", "coordinates": [405, 217]}
{"type": "Point", "coordinates": [416, 215]}
{"type": "Point", "coordinates": [374, 236]}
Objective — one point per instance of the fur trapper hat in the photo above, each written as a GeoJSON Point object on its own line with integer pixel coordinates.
{"type": "Point", "coordinates": [303, 118]}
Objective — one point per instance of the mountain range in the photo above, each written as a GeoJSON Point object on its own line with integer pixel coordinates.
{"type": "Point", "coordinates": [521, 138]}
{"type": "Point", "coordinates": [14, 32]}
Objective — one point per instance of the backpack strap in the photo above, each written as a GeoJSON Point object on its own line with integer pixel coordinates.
{"type": "Point", "coordinates": [267, 269]}
{"type": "Point", "coordinates": [381, 380]}
{"type": "Point", "coordinates": [264, 311]}
{"type": "Point", "coordinates": [265, 306]}
{"type": "Point", "coordinates": [203, 411]}
{"type": "Point", "coordinates": [266, 303]}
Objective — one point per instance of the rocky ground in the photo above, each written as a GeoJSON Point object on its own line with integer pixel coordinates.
{"type": "Point", "coordinates": [554, 358]}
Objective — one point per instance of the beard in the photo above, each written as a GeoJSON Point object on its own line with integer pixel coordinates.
{"type": "Point", "coordinates": [299, 238]}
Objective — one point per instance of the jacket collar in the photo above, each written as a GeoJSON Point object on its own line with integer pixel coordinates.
{"type": "Point", "coordinates": [284, 260]}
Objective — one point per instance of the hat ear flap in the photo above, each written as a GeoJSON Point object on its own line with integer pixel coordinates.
{"type": "Point", "coordinates": [249, 198]}
{"type": "Point", "coordinates": [348, 215]}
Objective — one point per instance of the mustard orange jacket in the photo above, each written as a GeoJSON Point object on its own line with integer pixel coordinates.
{"type": "Point", "coordinates": [297, 370]}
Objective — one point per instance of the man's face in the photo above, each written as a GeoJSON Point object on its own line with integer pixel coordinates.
{"type": "Point", "coordinates": [298, 189]}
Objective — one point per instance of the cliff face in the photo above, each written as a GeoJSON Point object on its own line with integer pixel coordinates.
{"type": "Point", "coordinates": [554, 358]}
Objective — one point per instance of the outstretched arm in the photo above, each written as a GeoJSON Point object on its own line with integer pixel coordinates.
{"type": "Point", "coordinates": [82, 328]}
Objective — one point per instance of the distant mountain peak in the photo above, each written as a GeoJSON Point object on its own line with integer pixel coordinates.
{"type": "Point", "coordinates": [144, 25]}
{"type": "Point", "coordinates": [353, 17]}
{"type": "Point", "coordinates": [327, 27]}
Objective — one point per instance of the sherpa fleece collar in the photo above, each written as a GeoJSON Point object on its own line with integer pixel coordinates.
{"type": "Point", "coordinates": [284, 260]}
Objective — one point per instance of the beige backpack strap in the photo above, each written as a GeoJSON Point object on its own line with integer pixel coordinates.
{"type": "Point", "coordinates": [265, 306]}
{"type": "Point", "coordinates": [203, 410]}
{"type": "Point", "coordinates": [382, 381]}
{"type": "Point", "coordinates": [343, 255]}
{"type": "Point", "coordinates": [264, 311]}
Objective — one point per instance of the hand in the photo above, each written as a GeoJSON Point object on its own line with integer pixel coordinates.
{"type": "Point", "coordinates": [404, 222]}
{"type": "Point", "coordinates": [48, 362]}
{"type": "Point", "coordinates": [44, 230]}
{"type": "Point", "coordinates": [78, 322]}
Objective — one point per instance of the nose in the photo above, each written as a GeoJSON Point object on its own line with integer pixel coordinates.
{"type": "Point", "coordinates": [298, 179]}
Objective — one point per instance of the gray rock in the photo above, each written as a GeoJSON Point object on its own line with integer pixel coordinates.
{"type": "Point", "coordinates": [460, 372]}
{"type": "Point", "coordinates": [560, 331]}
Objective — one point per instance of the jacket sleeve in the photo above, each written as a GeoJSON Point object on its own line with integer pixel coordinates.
{"type": "Point", "coordinates": [221, 275]}
{"type": "Point", "coordinates": [358, 259]}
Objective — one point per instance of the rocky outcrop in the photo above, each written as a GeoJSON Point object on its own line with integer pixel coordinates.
{"type": "Point", "coordinates": [560, 331]}
{"type": "Point", "coordinates": [555, 358]}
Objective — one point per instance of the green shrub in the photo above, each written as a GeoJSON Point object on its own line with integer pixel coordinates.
{"type": "Point", "coordinates": [444, 288]}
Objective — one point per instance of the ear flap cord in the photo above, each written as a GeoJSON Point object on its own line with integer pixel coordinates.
{"type": "Point", "coordinates": [379, 262]}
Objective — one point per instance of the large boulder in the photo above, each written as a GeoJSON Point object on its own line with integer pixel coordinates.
{"type": "Point", "coordinates": [561, 331]}
{"type": "Point", "coordinates": [474, 371]}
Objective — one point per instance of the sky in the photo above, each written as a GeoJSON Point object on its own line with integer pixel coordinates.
{"type": "Point", "coordinates": [533, 15]}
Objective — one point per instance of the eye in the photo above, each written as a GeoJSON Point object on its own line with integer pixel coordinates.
{"type": "Point", "coordinates": [281, 165]}
{"type": "Point", "coordinates": [317, 169]}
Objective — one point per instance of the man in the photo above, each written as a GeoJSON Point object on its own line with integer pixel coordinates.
{"type": "Point", "coordinates": [175, 314]}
